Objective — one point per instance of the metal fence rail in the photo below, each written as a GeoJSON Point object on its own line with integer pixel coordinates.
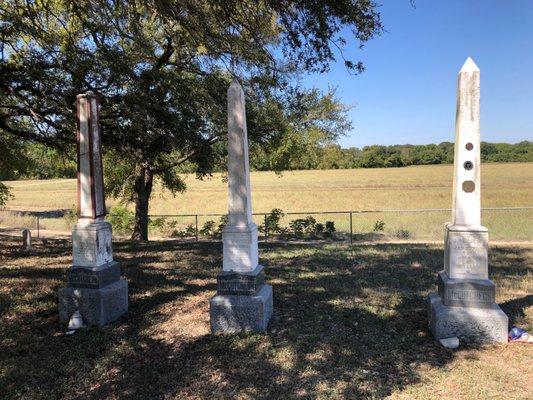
{"type": "Point", "coordinates": [345, 220]}
{"type": "Point", "coordinates": [349, 213]}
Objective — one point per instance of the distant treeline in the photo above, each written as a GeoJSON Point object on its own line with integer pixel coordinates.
{"type": "Point", "coordinates": [336, 157]}
{"type": "Point", "coordinates": [44, 163]}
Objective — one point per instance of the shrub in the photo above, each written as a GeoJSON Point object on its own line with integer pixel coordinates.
{"type": "Point", "coordinates": [122, 219]}
{"type": "Point", "coordinates": [157, 223]}
{"type": "Point", "coordinates": [330, 228]}
{"type": "Point", "coordinates": [190, 230]}
{"type": "Point", "coordinates": [306, 225]}
{"type": "Point", "coordinates": [309, 224]}
{"type": "Point", "coordinates": [379, 226]}
{"type": "Point", "coordinates": [297, 226]}
{"type": "Point", "coordinates": [222, 224]}
{"type": "Point", "coordinates": [272, 221]}
{"type": "Point", "coordinates": [319, 229]}
{"type": "Point", "coordinates": [208, 229]}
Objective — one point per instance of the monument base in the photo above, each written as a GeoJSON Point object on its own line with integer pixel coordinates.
{"type": "Point", "coordinates": [232, 313]}
{"type": "Point", "coordinates": [470, 324]}
{"type": "Point", "coordinates": [98, 306]}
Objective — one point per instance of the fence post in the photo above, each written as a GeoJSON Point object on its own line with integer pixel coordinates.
{"type": "Point", "coordinates": [266, 229]}
{"type": "Point", "coordinates": [38, 226]}
{"type": "Point", "coordinates": [196, 229]}
{"type": "Point", "coordinates": [351, 228]}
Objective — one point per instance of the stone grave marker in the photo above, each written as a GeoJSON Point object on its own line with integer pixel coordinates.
{"type": "Point", "coordinates": [243, 301]}
{"type": "Point", "coordinates": [94, 286]}
{"type": "Point", "coordinates": [464, 306]}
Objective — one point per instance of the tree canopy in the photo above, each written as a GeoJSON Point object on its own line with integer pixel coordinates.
{"type": "Point", "coordinates": [161, 69]}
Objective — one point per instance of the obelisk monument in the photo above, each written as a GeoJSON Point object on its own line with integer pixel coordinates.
{"type": "Point", "coordinates": [243, 301]}
{"type": "Point", "coordinates": [465, 304]}
{"type": "Point", "coordinates": [94, 286]}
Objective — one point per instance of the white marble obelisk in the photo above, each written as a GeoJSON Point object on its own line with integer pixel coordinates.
{"type": "Point", "coordinates": [240, 234]}
{"type": "Point", "coordinates": [243, 301]}
{"type": "Point", "coordinates": [95, 288]}
{"type": "Point", "coordinates": [465, 305]}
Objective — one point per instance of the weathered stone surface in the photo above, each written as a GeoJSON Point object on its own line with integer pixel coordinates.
{"type": "Point", "coordinates": [240, 248]}
{"type": "Point", "coordinates": [97, 306]}
{"type": "Point", "coordinates": [234, 313]}
{"type": "Point", "coordinates": [26, 239]}
{"type": "Point", "coordinates": [92, 244]}
{"type": "Point", "coordinates": [450, 343]}
{"type": "Point", "coordinates": [466, 251]}
{"type": "Point", "coordinates": [466, 292]}
{"type": "Point", "coordinates": [91, 201]}
{"type": "Point", "coordinates": [93, 277]}
{"type": "Point", "coordinates": [243, 301]}
{"type": "Point", "coordinates": [473, 325]}
{"type": "Point", "coordinates": [239, 197]}
{"type": "Point", "coordinates": [466, 208]}
{"type": "Point", "coordinates": [465, 304]}
{"type": "Point", "coordinates": [94, 286]}
{"type": "Point", "coordinates": [240, 283]}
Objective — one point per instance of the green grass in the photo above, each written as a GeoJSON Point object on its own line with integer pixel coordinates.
{"type": "Point", "coordinates": [417, 187]}
{"type": "Point", "coordinates": [349, 322]}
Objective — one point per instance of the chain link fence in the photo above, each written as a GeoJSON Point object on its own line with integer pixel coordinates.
{"type": "Point", "coordinates": [504, 223]}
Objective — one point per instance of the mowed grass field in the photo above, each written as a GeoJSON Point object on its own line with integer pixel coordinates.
{"type": "Point", "coordinates": [416, 187]}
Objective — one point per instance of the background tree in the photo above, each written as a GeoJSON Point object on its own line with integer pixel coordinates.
{"type": "Point", "coordinates": [160, 69]}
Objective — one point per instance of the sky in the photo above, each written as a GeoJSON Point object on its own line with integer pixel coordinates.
{"type": "Point", "coordinates": [407, 92]}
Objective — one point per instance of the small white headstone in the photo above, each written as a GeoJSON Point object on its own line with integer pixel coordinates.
{"type": "Point", "coordinates": [26, 239]}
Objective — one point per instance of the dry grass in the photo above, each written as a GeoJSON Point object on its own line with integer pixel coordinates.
{"type": "Point", "coordinates": [503, 185]}
{"type": "Point", "coordinates": [349, 322]}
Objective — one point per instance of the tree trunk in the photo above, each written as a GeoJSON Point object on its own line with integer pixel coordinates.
{"type": "Point", "coordinates": [143, 190]}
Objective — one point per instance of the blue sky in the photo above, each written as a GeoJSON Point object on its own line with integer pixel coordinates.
{"type": "Point", "coordinates": [407, 93]}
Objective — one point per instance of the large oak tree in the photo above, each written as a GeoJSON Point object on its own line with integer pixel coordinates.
{"type": "Point", "coordinates": [161, 69]}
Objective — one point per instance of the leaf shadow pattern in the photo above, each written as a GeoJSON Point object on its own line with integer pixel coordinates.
{"type": "Point", "coordinates": [349, 322]}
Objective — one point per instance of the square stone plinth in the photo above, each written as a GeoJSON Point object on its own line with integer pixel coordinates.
{"type": "Point", "coordinates": [92, 244]}
{"type": "Point", "coordinates": [240, 252]}
{"type": "Point", "coordinates": [97, 306]}
{"type": "Point", "coordinates": [241, 283]}
{"type": "Point", "coordinates": [466, 252]}
{"type": "Point", "coordinates": [466, 292]}
{"type": "Point", "coordinates": [469, 324]}
{"type": "Point", "coordinates": [238, 313]}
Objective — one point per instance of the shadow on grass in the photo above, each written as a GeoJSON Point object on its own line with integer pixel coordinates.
{"type": "Point", "coordinates": [349, 322]}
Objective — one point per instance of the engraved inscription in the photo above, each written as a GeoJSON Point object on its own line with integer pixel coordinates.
{"type": "Point", "coordinates": [81, 278]}
{"type": "Point", "coordinates": [470, 295]}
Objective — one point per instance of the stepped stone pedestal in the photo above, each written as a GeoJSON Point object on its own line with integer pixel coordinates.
{"type": "Point", "coordinates": [244, 302]}
{"type": "Point", "coordinates": [94, 286]}
{"type": "Point", "coordinates": [464, 306]}
{"type": "Point", "coordinates": [465, 303]}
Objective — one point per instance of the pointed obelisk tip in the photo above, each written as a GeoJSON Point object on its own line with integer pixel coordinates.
{"type": "Point", "coordinates": [469, 66]}
{"type": "Point", "coordinates": [235, 83]}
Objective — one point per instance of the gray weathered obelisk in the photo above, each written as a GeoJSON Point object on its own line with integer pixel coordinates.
{"type": "Point", "coordinates": [243, 301]}
{"type": "Point", "coordinates": [464, 306]}
{"type": "Point", "coordinates": [94, 286]}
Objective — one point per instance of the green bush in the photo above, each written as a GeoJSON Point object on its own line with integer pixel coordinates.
{"type": "Point", "coordinates": [208, 228]}
{"type": "Point", "coordinates": [222, 224]}
{"type": "Point", "coordinates": [122, 219]}
{"type": "Point", "coordinates": [330, 228]}
{"type": "Point", "coordinates": [157, 223]}
{"type": "Point", "coordinates": [319, 229]}
{"type": "Point", "coordinates": [305, 225]}
{"type": "Point", "coordinates": [272, 221]}
{"type": "Point", "coordinates": [379, 226]}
